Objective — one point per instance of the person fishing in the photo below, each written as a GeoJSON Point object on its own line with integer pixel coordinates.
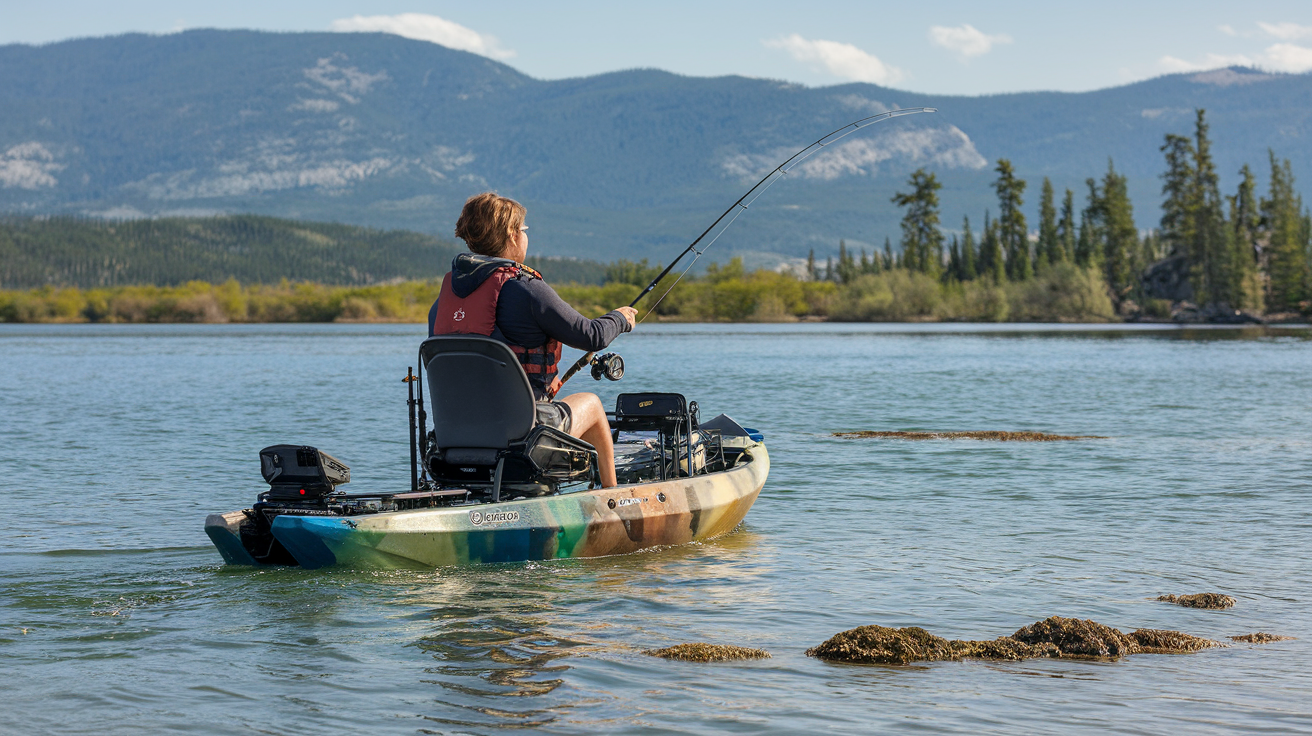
{"type": "Point", "coordinates": [489, 291]}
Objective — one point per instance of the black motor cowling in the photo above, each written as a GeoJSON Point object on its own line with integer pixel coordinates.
{"type": "Point", "coordinates": [301, 472]}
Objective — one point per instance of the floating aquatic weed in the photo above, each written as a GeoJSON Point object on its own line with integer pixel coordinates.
{"type": "Point", "coordinates": [882, 645]}
{"type": "Point", "coordinates": [1078, 637]}
{"type": "Point", "coordinates": [1261, 637]}
{"type": "Point", "coordinates": [992, 436]}
{"type": "Point", "coordinates": [1052, 637]}
{"type": "Point", "coordinates": [701, 652]}
{"type": "Point", "coordinates": [1162, 641]}
{"type": "Point", "coordinates": [1211, 601]}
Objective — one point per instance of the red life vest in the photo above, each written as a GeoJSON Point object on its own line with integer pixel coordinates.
{"type": "Point", "coordinates": [476, 314]}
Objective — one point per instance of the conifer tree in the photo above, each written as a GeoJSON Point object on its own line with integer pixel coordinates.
{"type": "Point", "coordinates": [889, 262]}
{"type": "Point", "coordinates": [922, 241]}
{"type": "Point", "coordinates": [1088, 247]}
{"type": "Point", "coordinates": [865, 262]}
{"type": "Point", "coordinates": [1215, 277]}
{"type": "Point", "coordinates": [1286, 228]}
{"type": "Point", "coordinates": [969, 263]}
{"type": "Point", "coordinates": [1120, 238]}
{"type": "Point", "coordinates": [1049, 248]}
{"type": "Point", "coordinates": [810, 265]}
{"type": "Point", "coordinates": [992, 263]}
{"type": "Point", "coordinates": [954, 262]}
{"type": "Point", "coordinates": [829, 268]}
{"type": "Point", "coordinates": [1176, 186]}
{"type": "Point", "coordinates": [1012, 233]}
{"type": "Point", "coordinates": [846, 265]}
{"type": "Point", "coordinates": [1246, 225]}
{"type": "Point", "coordinates": [1066, 228]}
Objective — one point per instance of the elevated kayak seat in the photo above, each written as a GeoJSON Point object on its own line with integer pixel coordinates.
{"type": "Point", "coordinates": [485, 434]}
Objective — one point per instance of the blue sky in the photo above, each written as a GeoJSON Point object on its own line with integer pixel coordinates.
{"type": "Point", "coordinates": [938, 47]}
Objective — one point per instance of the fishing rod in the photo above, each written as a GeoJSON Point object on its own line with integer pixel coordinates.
{"type": "Point", "coordinates": [737, 208]}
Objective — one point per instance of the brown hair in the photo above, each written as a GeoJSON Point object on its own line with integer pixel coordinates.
{"type": "Point", "coordinates": [488, 222]}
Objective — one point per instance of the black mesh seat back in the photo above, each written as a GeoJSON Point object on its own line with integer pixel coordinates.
{"type": "Point", "coordinates": [479, 393]}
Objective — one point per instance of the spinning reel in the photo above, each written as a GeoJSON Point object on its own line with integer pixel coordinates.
{"type": "Point", "coordinates": [610, 365]}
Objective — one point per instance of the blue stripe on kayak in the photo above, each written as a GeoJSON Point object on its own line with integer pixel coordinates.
{"type": "Point", "coordinates": [302, 537]}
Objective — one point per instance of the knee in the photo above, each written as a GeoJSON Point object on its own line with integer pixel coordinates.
{"type": "Point", "coordinates": [585, 404]}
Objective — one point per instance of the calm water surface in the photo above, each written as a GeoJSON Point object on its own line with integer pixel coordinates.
{"type": "Point", "coordinates": [116, 615]}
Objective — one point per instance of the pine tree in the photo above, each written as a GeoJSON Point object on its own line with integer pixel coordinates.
{"type": "Point", "coordinates": [922, 241]}
{"type": "Point", "coordinates": [1286, 228]}
{"type": "Point", "coordinates": [889, 262]}
{"type": "Point", "coordinates": [846, 269]}
{"type": "Point", "coordinates": [810, 265]}
{"type": "Point", "coordinates": [829, 268]}
{"type": "Point", "coordinates": [865, 262]}
{"type": "Point", "coordinates": [1120, 238]}
{"type": "Point", "coordinates": [992, 263]}
{"type": "Point", "coordinates": [1049, 248]}
{"type": "Point", "coordinates": [1088, 247]}
{"type": "Point", "coordinates": [1246, 225]}
{"type": "Point", "coordinates": [1215, 276]}
{"type": "Point", "coordinates": [954, 261]}
{"type": "Point", "coordinates": [1066, 228]}
{"type": "Point", "coordinates": [1012, 233]}
{"type": "Point", "coordinates": [1176, 185]}
{"type": "Point", "coordinates": [969, 264]}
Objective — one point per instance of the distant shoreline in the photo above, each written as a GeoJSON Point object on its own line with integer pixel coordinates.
{"type": "Point", "coordinates": [726, 298]}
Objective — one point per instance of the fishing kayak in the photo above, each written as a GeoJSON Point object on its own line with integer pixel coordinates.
{"type": "Point", "coordinates": [589, 523]}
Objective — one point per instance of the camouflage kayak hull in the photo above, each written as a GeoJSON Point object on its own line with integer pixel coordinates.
{"type": "Point", "coordinates": [593, 523]}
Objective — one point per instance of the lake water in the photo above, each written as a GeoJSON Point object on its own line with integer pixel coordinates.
{"type": "Point", "coordinates": [117, 616]}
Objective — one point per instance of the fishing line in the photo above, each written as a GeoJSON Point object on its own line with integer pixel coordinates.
{"type": "Point", "coordinates": [739, 207]}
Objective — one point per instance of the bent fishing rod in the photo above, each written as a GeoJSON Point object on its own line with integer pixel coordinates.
{"type": "Point", "coordinates": [736, 209]}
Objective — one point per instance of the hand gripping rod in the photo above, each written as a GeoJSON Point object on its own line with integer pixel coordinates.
{"type": "Point", "coordinates": [736, 209]}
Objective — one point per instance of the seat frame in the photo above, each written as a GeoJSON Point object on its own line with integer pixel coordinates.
{"type": "Point", "coordinates": [504, 457]}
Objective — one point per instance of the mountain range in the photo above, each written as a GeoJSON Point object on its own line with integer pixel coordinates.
{"type": "Point", "coordinates": [386, 132]}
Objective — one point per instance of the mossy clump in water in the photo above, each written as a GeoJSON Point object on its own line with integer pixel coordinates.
{"type": "Point", "coordinates": [1212, 601]}
{"type": "Point", "coordinates": [1162, 641]}
{"type": "Point", "coordinates": [1260, 638]}
{"type": "Point", "coordinates": [1078, 637]}
{"type": "Point", "coordinates": [1051, 637]}
{"type": "Point", "coordinates": [994, 436]}
{"type": "Point", "coordinates": [882, 645]}
{"type": "Point", "coordinates": [700, 652]}
{"type": "Point", "coordinates": [1005, 647]}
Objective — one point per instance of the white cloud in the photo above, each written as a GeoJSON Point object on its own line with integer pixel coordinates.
{"type": "Point", "coordinates": [966, 39]}
{"type": "Point", "coordinates": [1281, 57]}
{"type": "Point", "coordinates": [1286, 31]}
{"type": "Point", "coordinates": [1288, 57]}
{"type": "Point", "coordinates": [1227, 30]}
{"type": "Point", "coordinates": [28, 166]}
{"type": "Point", "coordinates": [423, 27]}
{"type": "Point", "coordinates": [840, 59]}
{"type": "Point", "coordinates": [1173, 65]}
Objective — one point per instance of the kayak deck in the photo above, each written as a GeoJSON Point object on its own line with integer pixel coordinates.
{"type": "Point", "coordinates": [593, 523]}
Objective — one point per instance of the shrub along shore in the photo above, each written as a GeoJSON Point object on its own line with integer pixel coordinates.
{"type": "Point", "coordinates": [1061, 293]}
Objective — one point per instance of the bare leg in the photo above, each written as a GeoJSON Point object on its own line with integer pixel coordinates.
{"type": "Point", "coordinates": [589, 424]}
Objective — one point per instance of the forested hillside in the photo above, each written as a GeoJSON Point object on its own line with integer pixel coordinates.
{"type": "Point", "coordinates": [89, 253]}
{"type": "Point", "coordinates": [388, 132]}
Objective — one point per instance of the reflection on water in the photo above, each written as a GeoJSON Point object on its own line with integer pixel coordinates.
{"type": "Point", "coordinates": [116, 615]}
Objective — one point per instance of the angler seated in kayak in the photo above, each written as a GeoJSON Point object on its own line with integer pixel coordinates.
{"type": "Point", "coordinates": [490, 292]}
